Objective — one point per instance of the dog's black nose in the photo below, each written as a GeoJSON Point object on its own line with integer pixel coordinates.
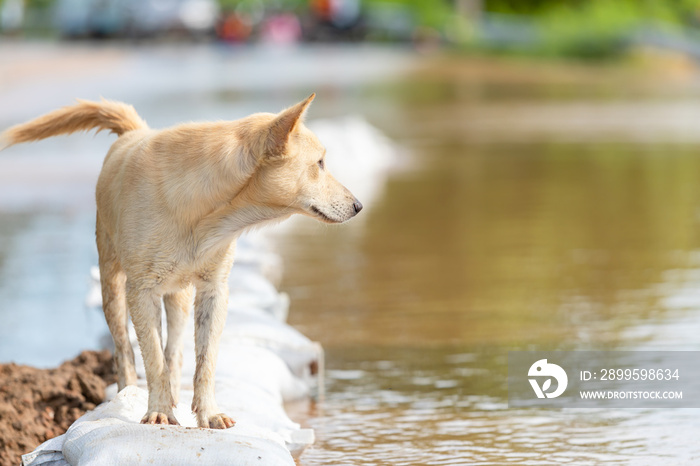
{"type": "Point", "coordinates": [358, 206]}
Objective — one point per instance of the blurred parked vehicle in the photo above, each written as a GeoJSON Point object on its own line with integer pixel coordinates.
{"type": "Point", "coordinates": [11, 15]}
{"type": "Point", "coordinates": [135, 18]}
{"type": "Point", "coordinates": [336, 19]}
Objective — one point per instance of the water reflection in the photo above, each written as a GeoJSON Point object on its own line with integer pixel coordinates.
{"type": "Point", "coordinates": [561, 235]}
{"type": "Point", "coordinates": [507, 244]}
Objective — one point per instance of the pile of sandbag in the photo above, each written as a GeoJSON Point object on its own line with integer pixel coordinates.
{"type": "Point", "coordinates": [263, 362]}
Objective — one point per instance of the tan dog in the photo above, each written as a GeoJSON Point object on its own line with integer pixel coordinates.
{"type": "Point", "coordinates": [170, 205]}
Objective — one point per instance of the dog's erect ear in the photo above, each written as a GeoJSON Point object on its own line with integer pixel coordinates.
{"type": "Point", "coordinates": [284, 124]}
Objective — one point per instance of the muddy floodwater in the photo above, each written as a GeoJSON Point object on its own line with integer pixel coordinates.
{"type": "Point", "coordinates": [531, 206]}
{"type": "Point", "coordinates": [543, 211]}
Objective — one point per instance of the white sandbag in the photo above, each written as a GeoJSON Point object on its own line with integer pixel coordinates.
{"type": "Point", "coordinates": [254, 251]}
{"type": "Point", "coordinates": [294, 348]}
{"type": "Point", "coordinates": [49, 453]}
{"type": "Point", "coordinates": [112, 435]}
{"type": "Point", "coordinates": [249, 288]}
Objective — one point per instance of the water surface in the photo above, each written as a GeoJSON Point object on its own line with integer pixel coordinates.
{"type": "Point", "coordinates": [525, 219]}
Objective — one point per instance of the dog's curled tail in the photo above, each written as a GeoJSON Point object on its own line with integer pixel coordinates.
{"type": "Point", "coordinates": [116, 117]}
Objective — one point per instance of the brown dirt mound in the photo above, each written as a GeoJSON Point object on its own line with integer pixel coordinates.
{"type": "Point", "coordinates": [39, 404]}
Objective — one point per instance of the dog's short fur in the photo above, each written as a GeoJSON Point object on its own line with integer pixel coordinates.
{"type": "Point", "coordinates": [170, 205]}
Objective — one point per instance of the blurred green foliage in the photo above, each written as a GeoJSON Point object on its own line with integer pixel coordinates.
{"type": "Point", "coordinates": [431, 13]}
{"type": "Point", "coordinates": [39, 4]}
{"type": "Point", "coordinates": [677, 8]}
{"type": "Point", "coordinates": [596, 28]}
{"type": "Point", "coordinates": [601, 27]}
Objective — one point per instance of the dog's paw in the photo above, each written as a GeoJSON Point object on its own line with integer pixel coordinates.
{"type": "Point", "coordinates": [155, 417]}
{"type": "Point", "coordinates": [219, 421]}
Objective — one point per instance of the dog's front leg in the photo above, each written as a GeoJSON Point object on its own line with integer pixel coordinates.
{"type": "Point", "coordinates": [177, 309]}
{"type": "Point", "coordinates": [144, 305]}
{"type": "Point", "coordinates": [209, 318]}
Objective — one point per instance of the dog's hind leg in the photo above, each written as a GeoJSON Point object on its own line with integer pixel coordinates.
{"type": "Point", "coordinates": [113, 279]}
{"type": "Point", "coordinates": [145, 308]}
{"type": "Point", "coordinates": [177, 308]}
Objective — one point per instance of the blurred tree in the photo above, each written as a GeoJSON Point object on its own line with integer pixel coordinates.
{"type": "Point", "coordinates": [431, 13]}
{"type": "Point", "coordinates": [522, 7]}
{"type": "Point", "coordinates": [39, 4]}
{"type": "Point", "coordinates": [585, 28]}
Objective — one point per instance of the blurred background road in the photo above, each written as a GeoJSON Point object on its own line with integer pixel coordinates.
{"type": "Point", "coordinates": [543, 194]}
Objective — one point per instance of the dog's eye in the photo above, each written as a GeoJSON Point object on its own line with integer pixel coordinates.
{"type": "Point", "coordinates": [321, 164]}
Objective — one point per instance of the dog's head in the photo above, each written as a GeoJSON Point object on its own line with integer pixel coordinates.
{"type": "Point", "coordinates": [291, 171]}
